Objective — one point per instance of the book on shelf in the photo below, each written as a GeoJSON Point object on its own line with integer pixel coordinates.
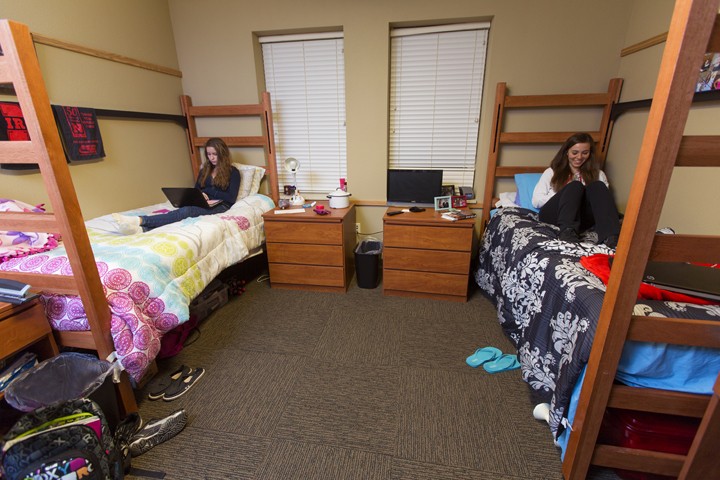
{"type": "Point", "coordinates": [17, 293]}
{"type": "Point", "coordinates": [454, 216]}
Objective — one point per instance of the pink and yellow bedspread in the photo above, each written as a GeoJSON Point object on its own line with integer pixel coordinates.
{"type": "Point", "coordinates": [150, 279]}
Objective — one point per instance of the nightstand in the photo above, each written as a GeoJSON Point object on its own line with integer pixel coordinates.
{"type": "Point", "coordinates": [22, 326]}
{"type": "Point", "coordinates": [426, 256]}
{"type": "Point", "coordinates": [307, 251]}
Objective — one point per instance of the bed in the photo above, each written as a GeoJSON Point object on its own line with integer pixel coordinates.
{"type": "Point", "coordinates": [569, 325]}
{"type": "Point", "coordinates": [126, 290]}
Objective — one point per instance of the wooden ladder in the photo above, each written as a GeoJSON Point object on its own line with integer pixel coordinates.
{"type": "Point", "coordinates": [691, 35]}
{"type": "Point", "coordinates": [19, 66]}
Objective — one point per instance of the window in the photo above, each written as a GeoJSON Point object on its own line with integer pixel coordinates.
{"type": "Point", "coordinates": [305, 75]}
{"type": "Point", "coordinates": [436, 80]}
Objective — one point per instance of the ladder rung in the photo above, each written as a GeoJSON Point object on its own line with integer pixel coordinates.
{"type": "Point", "coordinates": [635, 459]}
{"type": "Point", "coordinates": [5, 76]}
{"type": "Point", "coordinates": [17, 152]}
{"type": "Point", "coordinates": [685, 248]}
{"type": "Point", "coordinates": [225, 110]}
{"type": "Point", "coordinates": [29, 222]}
{"type": "Point", "coordinates": [658, 401]}
{"type": "Point", "coordinates": [61, 284]}
{"type": "Point", "coordinates": [567, 100]}
{"type": "Point", "coordinates": [540, 137]}
{"type": "Point", "coordinates": [678, 331]}
{"type": "Point", "coordinates": [234, 141]}
{"type": "Point", "coordinates": [512, 171]}
{"type": "Point", "coordinates": [699, 151]}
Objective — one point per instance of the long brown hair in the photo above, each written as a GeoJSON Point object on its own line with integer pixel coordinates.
{"type": "Point", "coordinates": [589, 170]}
{"type": "Point", "coordinates": [223, 167]}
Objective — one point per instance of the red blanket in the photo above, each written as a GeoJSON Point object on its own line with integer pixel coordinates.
{"type": "Point", "coordinates": [599, 264]}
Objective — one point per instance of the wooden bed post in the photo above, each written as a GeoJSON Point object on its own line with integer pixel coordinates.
{"type": "Point", "coordinates": [493, 155]}
{"type": "Point", "coordinates": [686, 44]}
{"type": "Point", "coordinates": [606, 124]}
{"type": "Point", "coordinates": [270, 135]}
{"type": "Point", "coordinates": [20, 66]}
{"type": "Point", "coordinates": [191, 133]}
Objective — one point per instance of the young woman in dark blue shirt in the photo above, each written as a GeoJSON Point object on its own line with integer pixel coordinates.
{"type": "Point", "coordinates": [218, 180]}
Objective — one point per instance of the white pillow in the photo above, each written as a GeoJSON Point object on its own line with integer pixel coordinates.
{"type": "Point", "coordinates": [251, 176]}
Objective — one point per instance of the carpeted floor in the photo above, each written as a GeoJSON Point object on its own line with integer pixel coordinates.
{"type": "Point", "coordinates": [308, 385]}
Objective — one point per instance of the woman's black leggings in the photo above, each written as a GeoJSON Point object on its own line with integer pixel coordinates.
{"type": "Point", "coordinates": [579, 207]}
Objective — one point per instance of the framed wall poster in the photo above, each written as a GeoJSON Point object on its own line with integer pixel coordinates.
{"type": "Point", "coordinates": [459, 201]}
{"type": "Point", "coordinates": [442, 203]}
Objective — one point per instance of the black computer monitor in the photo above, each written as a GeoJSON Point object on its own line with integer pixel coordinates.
{"type": "Point", "coordinates": [413, 187]}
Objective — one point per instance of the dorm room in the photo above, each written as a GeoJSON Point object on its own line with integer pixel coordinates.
{"type": "Point", "coordinates": [635, 244]}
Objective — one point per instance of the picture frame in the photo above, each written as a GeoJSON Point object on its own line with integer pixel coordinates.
{"type": "Point", "coordinates": [447, 190]}
{"type": "Point", "coordinates": [442, 203]}
{"type": "Point", "coordinates": [459, 201]}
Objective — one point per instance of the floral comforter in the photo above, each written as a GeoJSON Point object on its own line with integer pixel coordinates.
{"type": "Point", "coordinates": [549, 304]}
{"type": "Point", "coordinates": [150, 279]}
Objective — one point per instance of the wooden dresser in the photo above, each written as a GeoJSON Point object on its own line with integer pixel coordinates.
{"type": "Point", "coordinates": [23, 326]}
{"type": "Point", "coordinates": [426, 256]}
{"type": "Point", "coordinates": [307, 251]}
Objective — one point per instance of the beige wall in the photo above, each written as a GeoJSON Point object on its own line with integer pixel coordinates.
{"type": "Point", "coordinates": [691, 204]}
{"type": "Point", "coordinates": [555, 46]}
{"type": "Point", "coordinates": [141, 156]}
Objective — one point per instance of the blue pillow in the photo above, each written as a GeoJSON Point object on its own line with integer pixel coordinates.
{"type": "Point", "coordinates": [525, 187]}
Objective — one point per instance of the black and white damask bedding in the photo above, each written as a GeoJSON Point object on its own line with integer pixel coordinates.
{"type": "Point", "coordinates": [549, 304]}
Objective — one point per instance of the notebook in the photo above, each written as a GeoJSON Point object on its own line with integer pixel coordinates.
{"type": "Point", "coordinates": [686, 278]}
{"type": "Point", "coordinates": [188, 197]}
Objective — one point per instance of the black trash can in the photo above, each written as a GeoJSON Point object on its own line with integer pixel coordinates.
{"type": "Point", "coordinates": [64, 377]}
{"type": "Point", "coordinates": [367, 263]}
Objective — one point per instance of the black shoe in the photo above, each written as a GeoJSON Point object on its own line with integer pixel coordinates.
{"type": "Point", "coordinates": [123, 433]}
{"type": "Point", "coordinates": [158, 431]}
{"type": "Point", "coordinates": [569, 235]}
{"type": "Point", "coordinates": [611, 241]}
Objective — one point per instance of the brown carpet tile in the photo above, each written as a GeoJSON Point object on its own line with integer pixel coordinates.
{"type": "Point", "coordinates": [311, 385]}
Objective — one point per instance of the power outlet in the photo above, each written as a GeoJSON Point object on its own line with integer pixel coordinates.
{"type": "Point", "coordinates": [357, 228]}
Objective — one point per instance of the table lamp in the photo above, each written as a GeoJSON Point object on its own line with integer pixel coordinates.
{"type": "Point", "coordinates": [292, 165]}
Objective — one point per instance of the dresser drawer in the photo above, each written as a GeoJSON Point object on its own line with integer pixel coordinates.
{"type": "Point", "coordinates": [304, 232]}
{"type": "Point", "coordinates": [305, 254]}
{"type": "Point", "coordinates": [307, 275]}
{"type": "Point", "coordinates": [426, 260]}
{"type": "Point", "coordinates": [434, 238]}
{"type": "Point", "coordinates": [425, 282]}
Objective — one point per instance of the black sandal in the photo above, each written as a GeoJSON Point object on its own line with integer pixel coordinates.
{"type": "Point", "coordinates": [158, 389]}
{"type": "Point", "coordinates": [182, 384]}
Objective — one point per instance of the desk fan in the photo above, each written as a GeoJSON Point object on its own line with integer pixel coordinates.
{"type": "Point", "coordinates": [292, 165]}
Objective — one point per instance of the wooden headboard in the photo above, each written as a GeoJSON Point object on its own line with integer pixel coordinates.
{"type": "Point", "coordinates": [499, 138]}
{"type": "Point", "coordinates": [267, 141]}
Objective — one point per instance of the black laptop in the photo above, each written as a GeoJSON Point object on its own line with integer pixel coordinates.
{"type": "Point", "coordinates": [686, 278]}
{"type": "Point", "coordinates": [188, 197]}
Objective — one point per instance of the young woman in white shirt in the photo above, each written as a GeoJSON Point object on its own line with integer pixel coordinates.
{"type": "Point", "coordinates": [573, 193]}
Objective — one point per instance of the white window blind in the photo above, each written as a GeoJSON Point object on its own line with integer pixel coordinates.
{"type": "Point", "coordinates": [436, 81]}
{"type": "Point", "coordinates": [306, 80]}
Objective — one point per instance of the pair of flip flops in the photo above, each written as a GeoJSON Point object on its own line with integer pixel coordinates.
{"type": "Point", "coordinates": [176, 384]}
{"type": "Point", "coordinates": [493, 360]}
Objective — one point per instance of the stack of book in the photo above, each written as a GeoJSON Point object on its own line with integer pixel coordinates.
{"type": "Point", "coordinates": [456, 215]}
{"type": "Point", "coordinates": [15, 292]}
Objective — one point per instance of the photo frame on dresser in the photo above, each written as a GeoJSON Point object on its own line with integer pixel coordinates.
{"type": "Point", "coordinates": [459, 201]}
{"type": "Point", "coordinates": [448, 190]}
{"type": "Point", "coordinates": [442, 203]}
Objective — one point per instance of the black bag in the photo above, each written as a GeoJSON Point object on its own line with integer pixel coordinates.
{"type": "Point", "coordinates": [53, 441]}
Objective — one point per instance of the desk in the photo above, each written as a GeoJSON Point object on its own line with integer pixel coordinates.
{"type": "Point", "coordinates": [426, 256]}
{"type": "Point", "coordinates": [22, 326]}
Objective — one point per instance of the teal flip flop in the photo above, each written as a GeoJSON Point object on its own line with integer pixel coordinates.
{"type": "Point", "coordinates": [502, 364]}
{"type": "Point", "coordinates": [483, 355]}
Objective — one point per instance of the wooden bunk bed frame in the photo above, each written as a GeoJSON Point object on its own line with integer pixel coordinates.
{"type": "Point", "coordinates": [695, 30]}
{"type": "Point", "coordinates": [499, 138]}
{"type": "Point", "coordinates": [19, 66]}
